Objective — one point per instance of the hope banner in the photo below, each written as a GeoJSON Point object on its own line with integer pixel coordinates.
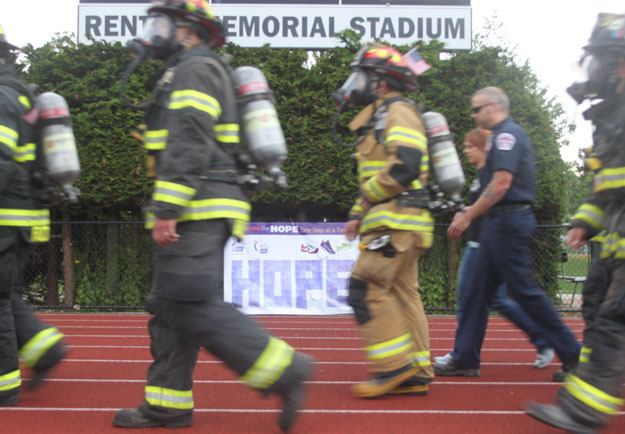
{"type": "Point", "coordinates": [290, 268]}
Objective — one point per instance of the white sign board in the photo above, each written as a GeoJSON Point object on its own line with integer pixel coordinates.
{"type": "Point", "coordinates": [296, 26]}
{"type": "Point", "coordinates": [290, 268]}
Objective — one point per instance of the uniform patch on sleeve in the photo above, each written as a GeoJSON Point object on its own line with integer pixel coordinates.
{"type": "Point", "coordinates": [505, 141]}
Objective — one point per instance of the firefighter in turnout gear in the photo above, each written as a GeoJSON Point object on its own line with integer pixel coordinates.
{"type": "Point", "coordinates": [392, 219]}
{"type": "Point", "coordinates": [592, 391]}
{"type": "Point", "coordinates": [196, 206]}
{"type": "Point", "coordinates": [22, 222]}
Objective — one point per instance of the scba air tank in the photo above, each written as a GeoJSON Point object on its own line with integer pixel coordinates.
{"type": "Point", "coordinates": [57, 138]}
{"type": "Point", "coordinates": [263, 133]}
{"type": "Point", "coordinates": [444, 158]}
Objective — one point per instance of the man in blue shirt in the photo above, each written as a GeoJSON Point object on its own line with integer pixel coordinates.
{"type": "Point", "coordinates": [505, 239]}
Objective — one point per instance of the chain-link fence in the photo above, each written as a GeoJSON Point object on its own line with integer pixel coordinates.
{"type": "Point", "coordinates": [107, 266]}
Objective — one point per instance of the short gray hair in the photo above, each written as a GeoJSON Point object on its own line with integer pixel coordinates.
{"type": "Point", "coordinates": [495, 95]}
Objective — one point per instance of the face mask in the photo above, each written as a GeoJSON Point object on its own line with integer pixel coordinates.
{"type": "Point", "coordinates": [593, 80]}
{"type": "Point", "coordinates": [356, 91]}
{"type": "Point", "coordinates": [158, 39]}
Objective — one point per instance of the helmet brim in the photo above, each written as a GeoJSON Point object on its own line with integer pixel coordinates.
{"type": "Point", "coordinates": [213, 26]}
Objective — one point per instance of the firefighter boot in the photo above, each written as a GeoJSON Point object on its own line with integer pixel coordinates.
{"type": "Point", "coordinates": [133, 418]}
{"type": "Point", "coordinates": [383, 382]}
{"type": "Point", "coordinates": [414, 386]}
{"type": "Point", "coordinates": [291, 388]}
{"type": "Point", "coordinates": [45, 364]}
{"type": "Point", "coordinates": [555, 416]}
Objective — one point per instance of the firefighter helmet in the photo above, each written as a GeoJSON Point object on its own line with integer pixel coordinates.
{"type": "Point", "coordinates": [385, 61]}
{"type": "Point", "coordinates": [609, 32]}
{"type": "Point", "coordinates": [3, 40]}
{"type": "Point", "coordinates": [196, 11]}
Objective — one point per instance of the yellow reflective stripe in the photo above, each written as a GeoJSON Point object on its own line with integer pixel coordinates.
{"type": "Point", "coordinates": [155, 140]}
{"type": "Point", "coordinates": [367, 169]}
{"type": "Point", "coordinates": [190, 98]}
{"type": "Point", "coordinates": [169, 398]}
{"type": "Point", "coordinates": [269, 367]}
{"type": "Point", "coordinates": [392, 220]}
{"type": "Point", "coordinates": [25, 153]}
{"type": "Point", "coordinates": [24, 217]}
{"type": "Point", "coordinates": [416, 185]}
{"type": "Point", "coordinates": [239, 228]}
{"type": "Point", "coordinates": [421, 358]}
{"type": "Point", "coordinates": [584, 355]}
{"type": "Point", "coordinates": [25, 101]}
{"type": "Point", "coordinates": [208, 209]}
{"type": "Point", "coordinates": [408, 135]}
{"type": "Point", "coordinates": [591, 214]}
{"type": "Point", "coordinates": [389, 348]}
{"type": "Point", "coordinates": [425, 164]}
{"type": "Point", "coordinates": [593, 397]}
{"type": "Point", "coordinates": [227, 133]}
{"type": "Point", "coordinates": [610, 178]}
{"type": "Point", "coordinates": [9, 381]}
{"type": "Point", "coordinates": [8, 137]}
{"type": "Point", "coordinates": [170, 192]}
{"type": "Point", "coordinates": [613, 246]}
{"type": "Point", "coordinates": [374, 191]}
{"type": "Point", "coordinates": [39, 344]}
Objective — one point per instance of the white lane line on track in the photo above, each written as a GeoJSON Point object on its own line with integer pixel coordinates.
{"type": "Point", "coordinates": [300, 329]}
{"type": "Point", "coordinates": [274, 411]}
{"type": "Point", "coordinates": [331, 349]}
{"type": "Point", "coordinates": [325, 382]}
{"type": "Point", "coordinates": [215, 362]}
{"type": "Point", "coordinates": [319, 338]}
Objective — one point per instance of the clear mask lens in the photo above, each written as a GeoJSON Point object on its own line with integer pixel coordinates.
{"type": "Point", "coordinates": [158, 29]}
{"type": "Point", "coordinates": [355, 83]}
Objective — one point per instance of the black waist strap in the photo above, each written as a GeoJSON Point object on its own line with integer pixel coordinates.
{"type": "Point", "coordinates": [509, 207]}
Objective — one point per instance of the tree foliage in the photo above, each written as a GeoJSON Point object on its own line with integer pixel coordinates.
{"type": "Point", "coordinates": [320, 169]}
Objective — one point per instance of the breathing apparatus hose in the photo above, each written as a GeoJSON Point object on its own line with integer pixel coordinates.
{"type": "Point", "coordinates": [141, 55]}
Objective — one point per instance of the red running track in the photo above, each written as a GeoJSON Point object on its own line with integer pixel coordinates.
{"type": "Point", "coordinates": [109, 355]}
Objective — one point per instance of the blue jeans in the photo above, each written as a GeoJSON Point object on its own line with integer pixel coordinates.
{"type": "Point", "coordinates": [501, 302]}
{"type": "Point", "coordinates": [504, 256]}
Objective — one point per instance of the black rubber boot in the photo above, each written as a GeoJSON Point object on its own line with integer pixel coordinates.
{"type": "Point", "coordinates": [291, 388]}
{"type": "Point", "coordinates": [9, 400]}
{"type": "Point", "coordinates": [556, 417]}
{"type": "Point", "coordinates": [133, 418]}
{"type": "Point", "coordinates": [46, 364]}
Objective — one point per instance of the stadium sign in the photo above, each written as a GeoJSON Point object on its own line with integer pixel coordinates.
{"type": "Point", "coordinates": [298, 23]}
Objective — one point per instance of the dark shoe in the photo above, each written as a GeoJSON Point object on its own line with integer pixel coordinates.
{"type": "Point", "coordinates": [46, 364]}
{"type": "Point", "coordinates": [555, 416]}
{"type": "Point", "coordinates": [9, 401]}
{"type": "Point", "coordinates": [413, 386]}
{"type": "Point", "coordinates": [383, 383]}
{"type": "Point", "coordinates": [560, 375]}
{"type": "Point", "coordinates": [133, 418]}
{"type": "Point", "coordinates": [451, 369]}
{"type": "Point", "coordinates": [293, 393]}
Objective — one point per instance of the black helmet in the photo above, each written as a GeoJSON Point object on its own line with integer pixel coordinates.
{"type": "Point", "coordinates": [197, 11]}
{"type": "Point", "coordinates": [609, 32]}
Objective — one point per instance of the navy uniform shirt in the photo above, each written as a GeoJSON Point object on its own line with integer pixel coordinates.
{"type": "Point", "coordinates": [511, 150]}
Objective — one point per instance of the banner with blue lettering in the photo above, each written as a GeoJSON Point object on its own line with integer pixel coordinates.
{"type": "Point", "coordinates": [290, 268]}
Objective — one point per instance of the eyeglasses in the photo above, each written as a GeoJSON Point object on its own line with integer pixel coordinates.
{"type": "Point", "coordinates": [476, 109]}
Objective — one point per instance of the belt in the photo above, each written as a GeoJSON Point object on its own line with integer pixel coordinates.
{"type": "Point", "coordinates": [510, 207]}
